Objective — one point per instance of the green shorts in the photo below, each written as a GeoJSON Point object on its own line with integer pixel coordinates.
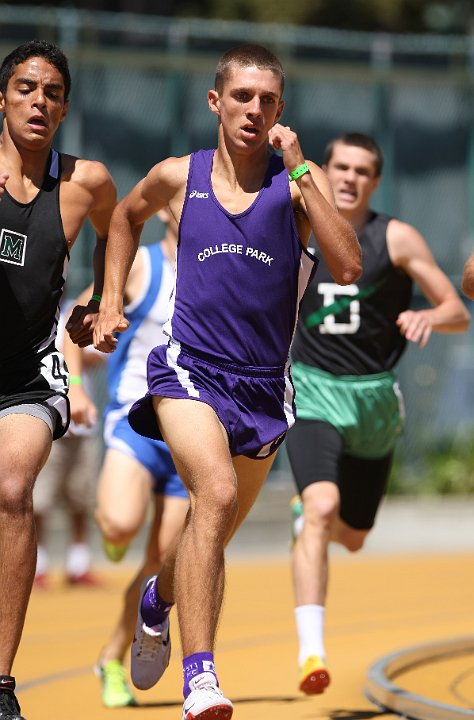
{"type": "Point", "coordinates": [367, 410]}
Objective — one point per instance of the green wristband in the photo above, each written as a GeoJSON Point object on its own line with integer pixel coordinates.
{"type": "Point", "coordinates": [298, 172]}
{"type": "Point", "coordinates": [97, 298]}
{"type": "Point", "coordinates": [75, 380]}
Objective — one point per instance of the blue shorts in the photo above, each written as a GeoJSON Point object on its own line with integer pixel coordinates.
{"type": "Point", "coordinates": [255, 405]}
{"type": "Point", "coordinates": [152, 454]}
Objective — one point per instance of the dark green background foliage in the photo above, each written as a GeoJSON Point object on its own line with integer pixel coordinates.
{"type": "Point", "coordinates": [386, 15]}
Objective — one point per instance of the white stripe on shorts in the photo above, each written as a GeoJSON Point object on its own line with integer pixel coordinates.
{"type": "Point", "coordinates": [172, 353]}
{"type": "Point", "coordinates": [289, 398]}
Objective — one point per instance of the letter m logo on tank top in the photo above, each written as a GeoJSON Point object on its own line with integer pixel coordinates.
{"type": "Point", "coordinates": [12, 247]}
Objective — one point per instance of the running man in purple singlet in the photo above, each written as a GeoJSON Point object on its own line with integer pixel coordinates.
{"type": "Point", "coordinates": [220, 392]}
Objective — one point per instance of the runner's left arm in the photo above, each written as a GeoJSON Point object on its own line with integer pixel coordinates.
{"type": "Point", "coordinates": [312, 195]}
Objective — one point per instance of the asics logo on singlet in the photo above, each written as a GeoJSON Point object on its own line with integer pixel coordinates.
{"type": "Point", "coordinates": [12, 247]}
{"type": "Point", "coordinates": [198, 195]}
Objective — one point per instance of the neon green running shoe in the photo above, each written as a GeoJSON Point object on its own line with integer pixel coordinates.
{"type": "Point", "coordinates": [115, 553]}
{"type": "Point", "coordinates": [115, 690]}
{"type": "Point", "coordinates": [296, 518]}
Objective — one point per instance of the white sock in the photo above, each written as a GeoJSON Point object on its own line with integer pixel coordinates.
{"type": "Point", "coordinates": [310, 628]}
{"type": "Point", "coordinates": [78, 559]}
{"type": "Point", "coordinates": [42, 561]}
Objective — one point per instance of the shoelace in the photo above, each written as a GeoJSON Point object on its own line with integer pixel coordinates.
{"type": "Point", "coordinates": [115, 677]}
{"type": "Point", "coordinates": [204, 681]}
{"type": "Point", "coordinates": [149, 646]}
{"type": "Point", "coordinates": [209, 687]}
{"type": "Point", "coordinates": [9, 704]}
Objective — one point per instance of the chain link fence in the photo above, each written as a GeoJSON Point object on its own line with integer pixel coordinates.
{"type": "Point", "coordinates": [140, 94]}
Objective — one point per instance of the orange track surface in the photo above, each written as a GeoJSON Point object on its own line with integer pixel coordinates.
{"type": "Point", "coordinates": [377, 604]}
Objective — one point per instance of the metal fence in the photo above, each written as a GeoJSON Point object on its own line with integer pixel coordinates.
{"type": "Point", "coordinates": [140, 94]}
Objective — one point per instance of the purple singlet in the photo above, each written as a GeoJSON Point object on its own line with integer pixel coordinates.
{"type": "Point", "coordinates": [240, 278]}
{"type": "Point", "coordinates": [239, 281]}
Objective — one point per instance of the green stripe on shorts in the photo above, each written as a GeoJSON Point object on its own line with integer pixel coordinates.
{"type": "Point", "coordinates": [366, 409]}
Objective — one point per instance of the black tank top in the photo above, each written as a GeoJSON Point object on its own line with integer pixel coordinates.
{"type": "Point", "coordinates": [33, 267]}
{"type": "Point", "coordinates": [352, 330]}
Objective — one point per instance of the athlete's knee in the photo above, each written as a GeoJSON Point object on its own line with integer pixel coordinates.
{"type": "Point", "coordinates": [16, 494]}
{"type": "Point", "coordinates": [320, 510]}
{"type": "Point", "coordinates": [222, 499]}
{"type": "Point", "coordinates": [115, 528]}
{"type": "Point", "coordinates": [217, 501]}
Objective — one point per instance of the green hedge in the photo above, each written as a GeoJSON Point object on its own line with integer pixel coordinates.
{"type": "Point", "coordinates": [443, 470]}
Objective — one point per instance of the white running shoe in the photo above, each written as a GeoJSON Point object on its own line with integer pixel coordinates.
{"type": "Point", "coordinates": [206, 701]}
{"type": "Point", "coordinates": [151, 648]}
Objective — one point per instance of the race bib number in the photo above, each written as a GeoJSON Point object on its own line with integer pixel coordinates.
{"type": "Point", "coordinates": [54, 371]}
